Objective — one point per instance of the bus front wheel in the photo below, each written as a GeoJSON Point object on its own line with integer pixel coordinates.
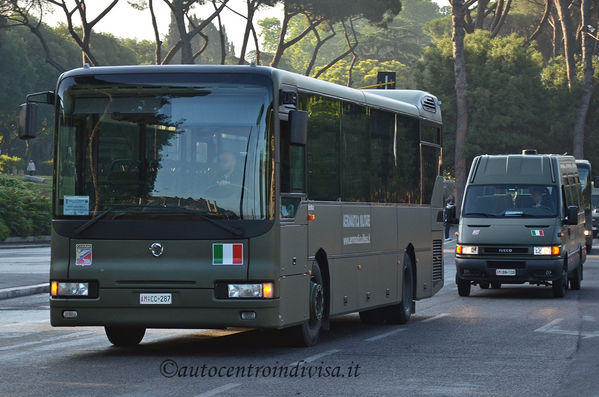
{"type": "Point", "coordinates": [307, 334]}
{"type": "Point", "coordinates": [124, 336]}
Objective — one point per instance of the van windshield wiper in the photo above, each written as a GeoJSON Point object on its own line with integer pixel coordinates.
{"type": "Point", "coordinates": [485, 214]}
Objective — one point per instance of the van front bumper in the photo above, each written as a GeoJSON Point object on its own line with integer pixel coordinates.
{"type": "Point", "coordinates": [526, 270]}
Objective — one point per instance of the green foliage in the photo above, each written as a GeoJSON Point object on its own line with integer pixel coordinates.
{"type": "Point", "coordinates": [24, 210]}
{"type": "Point", "coordinates": [365, 72]}
{"type": "Point", "coordinates": [8, 162]}
{"type": "Point", "coordinates": [506, 97]}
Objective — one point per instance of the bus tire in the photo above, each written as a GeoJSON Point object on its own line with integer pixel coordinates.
{"type": "Point", "coordinates": [495, 284]}
{"type": "Point", "coordinates": [483, 284]}
{"type": "Point", "coordinates": [463, 287]}
{"type": "Point", "coordinates": [307, 333]}
{"type": "Point", "coordinates": [560, 285]}
{"type": "Point", "coordinates": [124, 336]}
{"type": "Point", "coordinates": [401, 313]}
{"type": "Point", "coordinates": [576, 277]}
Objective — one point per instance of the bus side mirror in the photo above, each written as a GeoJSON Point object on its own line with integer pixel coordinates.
{"type": "Point", "coordinates": [28, 121]}
{"type": "Point", "coordinates": [298, 127]}
{"type": "Point", "coordinates": [596, 182]}
{"type": "Point", "coordinates": [572, 215]}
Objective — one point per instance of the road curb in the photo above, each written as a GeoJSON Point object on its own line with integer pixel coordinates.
{"type": "Point", "coordinates": [15, 292]}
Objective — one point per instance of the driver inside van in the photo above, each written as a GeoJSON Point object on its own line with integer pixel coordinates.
{"type": "Point", "coordinates": [540, 197]}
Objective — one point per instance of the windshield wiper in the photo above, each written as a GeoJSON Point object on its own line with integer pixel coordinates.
{"type": "Point", "coordinates": [485, 214]}
{"type": "Point", "coordinates": [234, 231]}
{"type": "Point", "coordinates": [101, 215]}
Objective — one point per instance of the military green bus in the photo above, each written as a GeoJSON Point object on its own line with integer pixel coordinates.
{"type": "Point", "coordinates": [238, 196]}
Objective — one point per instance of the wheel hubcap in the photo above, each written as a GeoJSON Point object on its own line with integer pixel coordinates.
{"type": "Point", "coordinates": [316, 302]}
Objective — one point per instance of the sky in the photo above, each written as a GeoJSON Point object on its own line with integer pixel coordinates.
{"type": "Point", "coordinates": [124, 21]}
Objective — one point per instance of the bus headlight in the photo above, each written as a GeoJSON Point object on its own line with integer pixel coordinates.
{"type": "Point", "coordinates": [63, 288]}
{"type": "Point", "coordinates": [547, 250]}
{"type": "Point", "coordinates": [466, 249]}
{"type": "Point", "coordinates": [261, 290]}
{"type": "Point", "coordinates": [587, 232]}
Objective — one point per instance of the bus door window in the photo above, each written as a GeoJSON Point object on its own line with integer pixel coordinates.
{"type": "Point", "coordinates": [292, 172]}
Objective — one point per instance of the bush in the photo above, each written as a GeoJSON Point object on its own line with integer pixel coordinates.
{"type": "Point", "coordinates": [23, 211]}
{"type": "Point", "coordinates": [4, 230]}
{"type": "Point", "coordinates": [7, 163]}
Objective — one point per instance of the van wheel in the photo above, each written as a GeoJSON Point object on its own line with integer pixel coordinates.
{"type": "Point", "coordinates": [560, 285]}
{"type": "Point", "coordinates": [307, 334]}
{"type": "Point", "coordinates": [495, 285]}
{"type": "Point", "coordinates": [576, 277]}
{"type": "Point", "coordinates": [463, 287]}
{"type": "Point", "coordinates": [401, 313]}
{"type": "Point", "coordinates": [483, 284]}
{"type": "Point", "coordinates": [124, 336]}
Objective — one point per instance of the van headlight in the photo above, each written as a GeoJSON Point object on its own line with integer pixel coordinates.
{"type": "Point", "coordinates": [466, 249]}
{"type": "Point", "coordinates": [547, 250]}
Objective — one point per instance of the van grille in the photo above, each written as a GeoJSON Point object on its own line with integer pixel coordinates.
{"type": "Point", "coordinates": [505, 250]}
{"type": "Point", "coordinates": [429, 103]}
{"type": "Point", "coordinates": [437, 260]}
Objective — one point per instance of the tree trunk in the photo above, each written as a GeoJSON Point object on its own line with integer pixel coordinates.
{"type": "Point", "coordinates": [458, 34]}
{"type": "Point", "coordinates": [588, 46]}
{"type": "Point", "coordinates": [186, 50]}
{"type": "Point", "coordinates": [564, 19]}
{"type": "Point", "coordinates": [246, 34]}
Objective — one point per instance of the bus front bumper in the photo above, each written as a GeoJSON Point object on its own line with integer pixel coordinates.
{"type": "Point", "coordinates": [522, 270]}
{"type": "Point", "coordinates": [190, 308]}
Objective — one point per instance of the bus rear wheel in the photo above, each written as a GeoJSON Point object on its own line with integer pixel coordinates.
{"type": "Point", "coordinates": [307, 334]}
{"type": "Point", "coordinates": [401, 313]}
{"type": "Point", "coordinates": [124, 336]}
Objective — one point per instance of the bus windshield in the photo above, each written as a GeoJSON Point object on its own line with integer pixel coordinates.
{"type": "Point", "coordinates": [536, 201]}
{"type": "Point", "coordinates": [164, 147]}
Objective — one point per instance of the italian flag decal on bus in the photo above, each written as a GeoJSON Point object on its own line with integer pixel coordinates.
{"type": "Point", "coordinates": [538, 233]}
{"type": "Point", "coordinates": [227, 254]}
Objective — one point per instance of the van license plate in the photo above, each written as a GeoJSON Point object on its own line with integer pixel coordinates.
{"type": "Point", "coordinates": [505, 272]}
{"type": "Point", "coordinates": [155, 299]}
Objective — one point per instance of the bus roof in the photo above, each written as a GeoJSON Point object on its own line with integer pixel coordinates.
{"type": "Point", "coordinates": [410, 102]}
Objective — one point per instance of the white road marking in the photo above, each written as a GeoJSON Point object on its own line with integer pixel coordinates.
{"type": "Point", "coordinates": [315, 357]}
{"type": "Point", "coordinates": [22, 323]}
{"type": "Point", "coordinates": [219, 390]}
{"type": "Point", "coordinates": [35, 342]}
{"type": "Point", "coordinates": [552, 328]}
{"type": "Point", "coordinates": [438, 316]}
{"type": "Point", "coordinates": [381, 336]}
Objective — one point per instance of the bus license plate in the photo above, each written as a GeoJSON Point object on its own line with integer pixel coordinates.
{"type": "Point", "coordinates": [155, 299]}
{"type": "Point", "coordinates": [505, 272]}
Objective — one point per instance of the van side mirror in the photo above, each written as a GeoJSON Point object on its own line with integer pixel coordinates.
{"type": "Point", "coordinates": [28, 120]}
{"type": "Point", "coordinates": [572, 215]}
{"type": "Point", "coordinates": [596, 182]}
{"type": "Point", "coordinates": [298, 127]}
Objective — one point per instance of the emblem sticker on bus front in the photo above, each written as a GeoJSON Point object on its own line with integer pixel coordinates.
{"type": "Point", "coordinates": [83, 254]}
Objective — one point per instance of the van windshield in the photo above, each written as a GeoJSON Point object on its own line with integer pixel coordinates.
{"type": "Point", "coordinates": [498, 201]}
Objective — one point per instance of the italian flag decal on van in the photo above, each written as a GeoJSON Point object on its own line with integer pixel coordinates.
{"type": "Point", "coordinates": [227, 254]}
{"type": "Point", "coordinates": [538, 233]}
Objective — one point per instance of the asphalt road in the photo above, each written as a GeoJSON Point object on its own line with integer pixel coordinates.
{"type": "Point", "coordinates": [20, 266]}
{"type": "Point", "coordinates": [516, 341]}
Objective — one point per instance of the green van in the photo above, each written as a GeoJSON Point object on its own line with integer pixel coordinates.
{"type": "Point", "coordinates": [522, 221]}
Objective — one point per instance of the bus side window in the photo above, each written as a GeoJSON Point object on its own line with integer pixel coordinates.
{"type": "Point", "coordinates": [293, 178]}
